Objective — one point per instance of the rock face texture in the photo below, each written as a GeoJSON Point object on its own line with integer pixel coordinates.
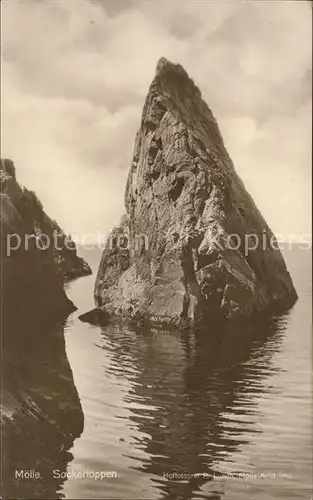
{"type": "Point", "coordinates": [33, 268]}
{"type": "Point", "coordinates": [186, 249]}
{"type": "Point", "coordinates": [41, 413]}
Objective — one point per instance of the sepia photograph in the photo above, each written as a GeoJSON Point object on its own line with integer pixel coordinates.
{"type": "Point", "coordinates": [156, 250]}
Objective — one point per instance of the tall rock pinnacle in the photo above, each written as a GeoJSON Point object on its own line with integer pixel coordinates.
{"type": "Point", "coordinates": [198, 247]}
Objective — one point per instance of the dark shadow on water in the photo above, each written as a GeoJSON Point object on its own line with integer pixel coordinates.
{"type": "Point", "coordinates": [41, 410]}
{"type": "Point", "coordinates": [193, 398]}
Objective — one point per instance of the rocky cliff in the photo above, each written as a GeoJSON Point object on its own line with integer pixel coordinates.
{"type": "Point", "coordinates": [34, 263]}
{"type": "Point", "coordinates": [41, 413]}
{"type": "Point", "coordinates": [186, 249]}
{"type": "Point", "coordinates": [40, 410]}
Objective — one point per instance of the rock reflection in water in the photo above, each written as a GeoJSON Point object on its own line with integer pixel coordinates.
{"type": "Point", "coordinates": [192, 398]}
{"type": "Point", "coordinates": [41, 410]}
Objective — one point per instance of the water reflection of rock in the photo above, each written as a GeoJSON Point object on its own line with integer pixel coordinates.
{"type": "Point", "coordinates": [193, 399]}
{"type": "Point", "coordinates": [41, 410]}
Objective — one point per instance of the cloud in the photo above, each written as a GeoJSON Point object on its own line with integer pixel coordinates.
{"type": "Point", "coordinates": [75, 75]}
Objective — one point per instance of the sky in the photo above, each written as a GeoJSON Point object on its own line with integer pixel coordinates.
{"type": "Point", "coordinates": [75, 74]}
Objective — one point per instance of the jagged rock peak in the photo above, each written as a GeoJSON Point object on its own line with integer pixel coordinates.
{"type": "Point", "coordinates": [185, 197]}
{"type": "Point", "coordinates": [171, 77]}
{"type": "Point", "coordinates": [164, 66]}
{"type": "Point", "coordinates": [173, 92]}
{"type": "Point", "coordinates": [7, 165]}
